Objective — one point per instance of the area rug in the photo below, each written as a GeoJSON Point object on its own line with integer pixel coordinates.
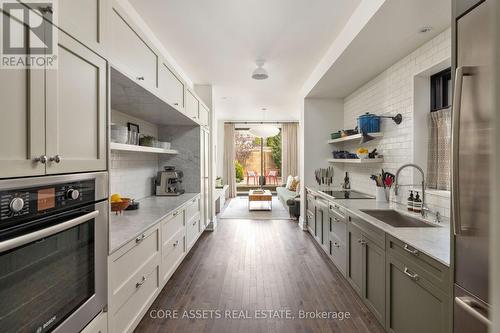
{"type": "Point", "coordinates": [238, 209]}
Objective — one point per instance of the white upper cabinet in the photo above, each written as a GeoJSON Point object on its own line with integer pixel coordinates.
{"type": "Point", "coordinates": [85, 21]}
{"type": "Point", "coordinates": [22, 121]}
{"type": "Point", "coordinates": [76, 110]}
{"type": "Point", "coordinates": [130, 53]}
{"type": "Point", "coordinates": [192, 105]}
{"type": "Point", "coordinates": [204, 115]}
{"type": "Point", "coordinates": [171, 87]}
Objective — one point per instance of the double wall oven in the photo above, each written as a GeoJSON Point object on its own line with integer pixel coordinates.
{"type": "Point", "coordinates": [53, 248]}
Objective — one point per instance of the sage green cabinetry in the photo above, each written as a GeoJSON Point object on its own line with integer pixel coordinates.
{"type": "Point", "coordinates": [416, 289]}
{"type": "Point", "coordinates": [322, 225]}
{"type": "Point", "coordinates": [366, 265]}
{"type": "Point", "coordinates": [311, 212]}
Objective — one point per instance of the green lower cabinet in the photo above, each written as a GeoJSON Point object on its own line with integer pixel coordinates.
{"type": "Point", "coordinates": [354, 272]}
{"type": "Point", "coordinates": [374, 279]}
{"type": "Point", "coordinates": [414, 305]}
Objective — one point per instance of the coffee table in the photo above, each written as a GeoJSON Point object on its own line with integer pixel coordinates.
{"type": "Point", "coordinates": [260, 196]}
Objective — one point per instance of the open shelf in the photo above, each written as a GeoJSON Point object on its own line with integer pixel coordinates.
{"type": "Point", "coordinates": [356, 160]}
{"type": "Point", "coordinates": [143, 149]}
{"type": "Point", "coordinates": [355, 137]}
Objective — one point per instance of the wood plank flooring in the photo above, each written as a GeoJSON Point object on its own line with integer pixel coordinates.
{"type": "Point", "coordinates": [249, 265]}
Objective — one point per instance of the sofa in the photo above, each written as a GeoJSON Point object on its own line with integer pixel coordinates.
{"type": "Point", "coordinates": [290, 199]}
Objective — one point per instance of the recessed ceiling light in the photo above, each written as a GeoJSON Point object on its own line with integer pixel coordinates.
{"type": "Point", "coordinates": [423, 30]}
{"type": "Point", "coordinates": [264, 109]}
{"type": "Point", "coordinates": [260, 72]}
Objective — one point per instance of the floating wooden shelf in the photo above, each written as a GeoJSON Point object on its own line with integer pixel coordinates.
{"type": "Point", "coordinates": [143, 149]}
{"type": "Point", "coordinates": [355, 137]}
{"type": "Point", "coordinates": [356, 160]}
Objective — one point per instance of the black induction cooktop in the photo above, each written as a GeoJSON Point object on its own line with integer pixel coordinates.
{"type": "Point", "coordinates": [347, 194]}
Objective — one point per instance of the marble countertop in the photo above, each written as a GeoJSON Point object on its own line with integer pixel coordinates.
{"type": "Point", "coordinates": [131, 223]}
{"type": "Point", "coordinates": [434, 242]}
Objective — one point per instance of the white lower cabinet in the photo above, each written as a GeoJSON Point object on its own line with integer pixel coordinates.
{"type": "Point", "coordinates": [139, 270]}
{"type": "Point", "coordinates": [134, 278]}
{"type": "Point", "coordinates": [98, 325]}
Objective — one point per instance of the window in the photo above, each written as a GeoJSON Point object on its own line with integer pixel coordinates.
{"type": "Point", "coordinates": [441, 90]}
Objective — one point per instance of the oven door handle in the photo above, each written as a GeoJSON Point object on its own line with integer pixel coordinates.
{"type": "Point", "coordinates": [34, 236]}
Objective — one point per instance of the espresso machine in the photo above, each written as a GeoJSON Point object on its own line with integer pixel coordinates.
{"type": "Point", "coordinates": [169, 182]}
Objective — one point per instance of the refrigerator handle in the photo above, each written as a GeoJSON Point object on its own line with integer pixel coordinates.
{"type": "Point", "coordinates": [457, 103]}
{"type": "Point", "coordinates": [471, 306]}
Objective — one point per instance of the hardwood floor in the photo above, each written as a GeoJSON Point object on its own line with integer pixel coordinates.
{"type": "Point", "coordinates": [249, 265]}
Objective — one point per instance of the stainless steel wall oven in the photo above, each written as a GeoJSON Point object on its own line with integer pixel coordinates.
{"type": "Point", "coordinates": [53, 249]}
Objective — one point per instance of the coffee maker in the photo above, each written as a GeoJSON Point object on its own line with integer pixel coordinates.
{"type": "Point", "coordinates": [169, 182]}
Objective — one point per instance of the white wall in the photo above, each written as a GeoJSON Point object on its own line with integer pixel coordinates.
{"type": "Point", "coordinates": [390, 93]}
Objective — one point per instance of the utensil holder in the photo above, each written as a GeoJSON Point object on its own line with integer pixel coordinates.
{"type": "Point", "coordinates": [382, 194]}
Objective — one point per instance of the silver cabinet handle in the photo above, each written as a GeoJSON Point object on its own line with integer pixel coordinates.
{"type": "Point", "coordinates": [43, 233]}
{"type": "Point", "coordinates": [175, 213]}
{"type": "Point", "coordinates": [176, 104]}
{"type": "Point", "coordinates": [407, 249]}
{"type": "Point", "coordinates": [412, 276]}
{"type": "Point", "coordinates": [56, 159]}
{"type": "Point", "coordinates": [140, 78]}
{"type": "Point", "coordinates": [471, 306]}
{"type": "Point", "coordinates": [140, 283]}
{"type": "Point", "coordinates": [41, 159]}
{"type": "Point", "coordinates": [140, 238]}
{"type": "Point", "coordinates": [194, 223]}
{"type": "Point", "coordinates": [455, 142]}
{"type": "Point", "coordinates": [176, 243]}
{"type": "Point", "coordinates": [336, 219]}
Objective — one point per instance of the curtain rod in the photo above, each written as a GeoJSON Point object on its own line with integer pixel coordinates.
{"type": "Point", "coordinates": [262, 122]}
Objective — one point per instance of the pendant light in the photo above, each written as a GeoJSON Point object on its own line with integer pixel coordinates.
{"type": "Point", "coordinates": [260, 72]}
{"type": "Point", "coordinates": [264, 131]}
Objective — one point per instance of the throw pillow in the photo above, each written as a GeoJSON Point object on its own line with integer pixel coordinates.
{"type": "Point", "coordinates": [294, 185]}
{"type": "Point", "coordinates": [288, 182]}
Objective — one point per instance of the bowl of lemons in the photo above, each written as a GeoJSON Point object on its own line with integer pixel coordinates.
{"type": "Point", "coordinates": [362, 153]}
{"type": "Point", "coordinates": [119, 204]}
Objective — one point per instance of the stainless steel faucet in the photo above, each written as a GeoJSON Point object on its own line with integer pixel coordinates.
{"type": "Point", "coordinates": [397, 185]}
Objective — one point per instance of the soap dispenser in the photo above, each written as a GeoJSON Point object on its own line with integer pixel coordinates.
{"type": "Point", "coordinates": [417, 204]}
{"type": "Point", "coordinates": [410, 202]}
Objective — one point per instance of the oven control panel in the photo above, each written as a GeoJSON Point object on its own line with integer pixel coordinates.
{"type": "Point", "coordinates": [38, 201]}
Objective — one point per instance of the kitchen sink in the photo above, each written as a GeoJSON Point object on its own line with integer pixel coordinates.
{"type": "Point", "coordinates": [396, 219]}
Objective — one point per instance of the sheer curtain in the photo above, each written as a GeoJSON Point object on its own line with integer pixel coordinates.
{"type": "Point", "coordinates": [290, 150]}
{"type": "Point", "coordinates": [439, 158]}
{"type": "Point", "coordinates": [229, 172]}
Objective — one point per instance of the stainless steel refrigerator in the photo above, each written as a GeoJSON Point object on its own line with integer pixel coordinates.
{"type": "Point", "coordinates": [471, 158]}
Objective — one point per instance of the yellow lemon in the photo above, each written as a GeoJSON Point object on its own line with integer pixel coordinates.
{"type": "Point", "coordinates": [116, 198]}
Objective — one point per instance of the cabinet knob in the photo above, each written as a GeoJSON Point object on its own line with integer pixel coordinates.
{"type": "Point", "coordinates": [42, 159]}
{"type": "Point", "coordinates": [56, 159]}
{"type": "Point", "coordinates": [140, 78]}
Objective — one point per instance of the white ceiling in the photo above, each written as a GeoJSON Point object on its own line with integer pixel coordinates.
{"type": "Point", "coordinates": [217, 42]}
{"type": "Point", "coordinates": [391, 34]}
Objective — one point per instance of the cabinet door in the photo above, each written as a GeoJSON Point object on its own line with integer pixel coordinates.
{"type": "Point", "coordinates": [206, 173]}
{"type": "Point", "coordinates": [22, 119]}
{"type": "Point", "coordinates": [355, 259]}
{"type": "Point", "coordinates": [374, 279]}
{"type": "Point", "coordinates": [192, 105]}
{"type": "Point", "coordinates": [204, 115]}
{"type": "Point", "coordinates": [414, 305]}
{"type": "Point", "coordinates": [130, 53]}
{"type": "Point", "coordinates": [171, 87]}
{"type": "Point", "coordinates": [76, 110]}
{"type": "Point", "coordinates": [85, 21]}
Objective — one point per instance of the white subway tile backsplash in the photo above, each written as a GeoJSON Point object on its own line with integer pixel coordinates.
{"type": "Point", "coordinates": [389, 93]}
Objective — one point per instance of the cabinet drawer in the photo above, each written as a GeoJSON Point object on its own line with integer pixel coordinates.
{"type": "Point", "coordinates": [98, 325]}
{"type": "Point", "coordinates": [310, 202]}
{"type": "Point", "coordinates": [338, 253]}
{"type": "Point", "coordinates": [143, 292]}
{"type": "Point", "coordinates": [172, 224]}
{"type": "Point", "coordinates": [171, 87]}
{"type": "Point", "coordinates": [429, 268]}
{"type": "Point", "coordinates": [338, 226]}
{"type": "Point", "coordinates": [130, 259]}
{"type": "Point", "coordinates": [374, 234]}
{"type": "Point", "coordinates": [192, 208]}
{"type": "Point", "coordinates": [193, 229]}
{"type": "Point", "coordinates": [130, 52]}
{"type": "Point", "coordinates": [172, 253]}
